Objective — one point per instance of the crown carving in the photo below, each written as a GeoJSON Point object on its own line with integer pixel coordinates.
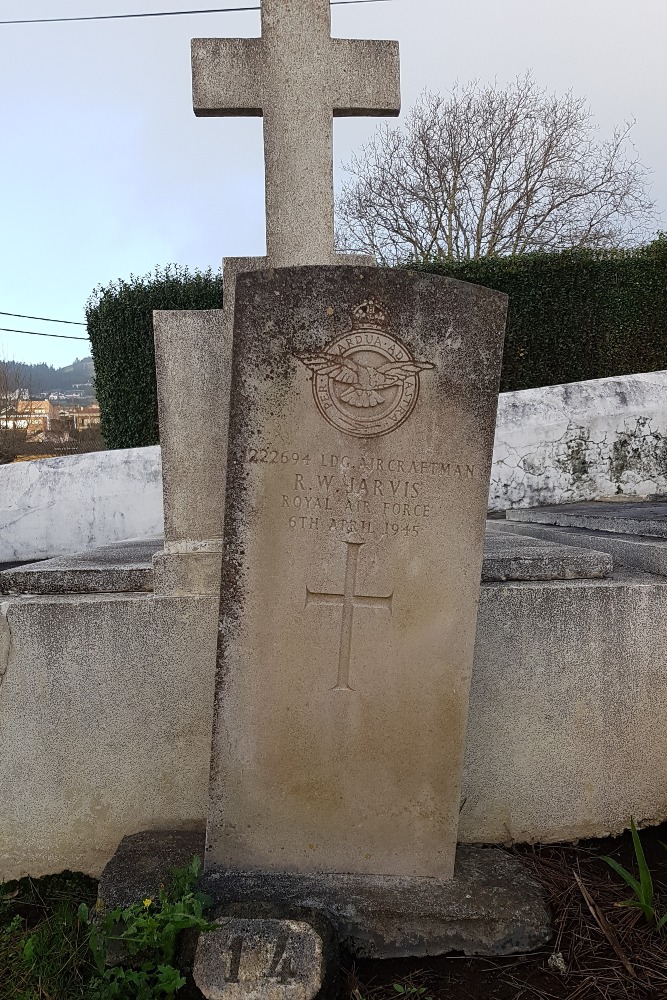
{"type": "Point", "coordinates": [369, 316]}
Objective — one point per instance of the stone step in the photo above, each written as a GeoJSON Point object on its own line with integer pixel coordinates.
{"type": "Point", "coordinates": [126, 567]}
{"type": "Point", "coordinates": [122, 567]}
{"type": "Point", "coordinates": [622, 517]}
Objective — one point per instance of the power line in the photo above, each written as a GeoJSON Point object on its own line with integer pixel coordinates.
{"type": "Point", "coordinates": [45, 319]}
{"type": "Point", "coordinates": [163, 13]}
{"type": "Point", "coordinates": [33, 333]}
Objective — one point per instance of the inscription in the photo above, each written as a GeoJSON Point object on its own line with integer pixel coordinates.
{"type": "Point", "coordinates": [367, 495]}
{"type": "Point", "coordinates": [366, 464]}
{"type": "Point", "coordinates": [250, 956]}
{"type": "Point", "coordinates": [348, 600]}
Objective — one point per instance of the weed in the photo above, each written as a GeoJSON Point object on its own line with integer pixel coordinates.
{"type": "Point", "coordinates": [643, 889]}
{"type": "Point", "coordinates": [147, 932]}
{"type": "Point", "coordinates": [53, 946]}
{"type": "Point", "coordinates": [44, 952]}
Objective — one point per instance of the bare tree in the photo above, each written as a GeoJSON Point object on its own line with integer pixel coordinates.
{"type": "Point", "coordinates": [490, 171]}
{"type": "Point", "coordinates": [14, 430]}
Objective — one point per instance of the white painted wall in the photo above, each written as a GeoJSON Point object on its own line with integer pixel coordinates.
{"type": "Point", "coordinates": [56, 506]}
{"type": "Point", "coordinates": [581, 441]}
{"type": "Point", "coordinates": [553, 445]}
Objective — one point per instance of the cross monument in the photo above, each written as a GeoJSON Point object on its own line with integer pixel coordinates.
{"type": "Point", "coordinates": [297, 77]}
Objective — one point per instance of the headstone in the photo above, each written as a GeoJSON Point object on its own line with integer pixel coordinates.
{"type": "Point", "coordinates": [361, 431]}
{"type": "Point", "coordinates": [192, 356]}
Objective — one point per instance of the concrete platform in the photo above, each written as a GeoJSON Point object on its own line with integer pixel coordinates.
{"type": "Point", "coordinates": [106, 704]}
{"type": "Point", "coordinates": [491, 907]}
{"type": "Point", "coordinates": [647, 518]}
{"type": "Point", "coordinates": [122, 567]}
{"type": "Point", "coordinates": [510, 556]}
{"type": "Point", "coordinates": [126, 567]}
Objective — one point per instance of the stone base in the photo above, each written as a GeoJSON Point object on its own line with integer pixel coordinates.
{"type": "Point", "coordinates": [491, 907]}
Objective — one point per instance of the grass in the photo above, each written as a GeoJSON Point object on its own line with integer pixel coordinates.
{"type": "Point", "coordinates": [44, 952]}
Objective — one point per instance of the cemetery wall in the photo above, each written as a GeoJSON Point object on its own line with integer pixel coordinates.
{"type": "Point", "coordinates": [57, 506]}
{"type": "Point", "coordinates": [556, 715]}
{"type": "Point", "coordinates": [581, 441]}
{"type": "Point", "coordinates": [553, 445]}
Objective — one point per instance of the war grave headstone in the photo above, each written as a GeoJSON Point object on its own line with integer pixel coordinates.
{"type": "Point", "coordinates": [361, 421]}
{"type": "Point", "coordinates": [298, 78]}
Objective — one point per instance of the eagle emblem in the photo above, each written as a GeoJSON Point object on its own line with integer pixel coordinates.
{"type": "Point", "coordinates": [365, 383]}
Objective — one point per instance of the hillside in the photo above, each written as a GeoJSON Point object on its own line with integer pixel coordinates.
{"type": "Point", "coordinates": [42, 379]}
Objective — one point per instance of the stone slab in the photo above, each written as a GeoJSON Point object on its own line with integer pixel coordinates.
{"type": "Point", "coordinates": [643, 518]}
{"type": "Point", "coordinates": [141, 565]}
{"type": "Point", "coordinates": [142, 863]}
{"type": "Point", "coordinates": [517, 557]}
{"type": "Point", "coordinates": [122, 567]}
{"type": "Point", "coordinates": [646, 554]}
{"type": "Point", "coordinates": [305, 775]}
{"type": "Point", "coordinates": [491, 907]}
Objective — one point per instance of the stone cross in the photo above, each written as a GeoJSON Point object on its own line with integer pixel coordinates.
{"type": "Point", "coordinates": [296, 76]}
{"type": "Point", "coordinates": [348, 600]}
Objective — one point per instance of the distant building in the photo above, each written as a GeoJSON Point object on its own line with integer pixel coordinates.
{"type": "Point", "coordinates": [41, 418]}
{"type": "Point", "coordinates": [80, 418]}
{"type": "Point", "coordinates": [33, 415]}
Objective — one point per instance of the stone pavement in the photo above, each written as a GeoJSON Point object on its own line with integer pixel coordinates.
{"type": "Point", "coordinates": [126, 567]}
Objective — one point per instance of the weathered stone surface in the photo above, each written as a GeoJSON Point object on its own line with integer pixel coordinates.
{"type": "Point", "coordinates": [121, 567]}
{"type": "Point", "coordinates": [105, 701]}
{"type": "Point", "coordinates": [60, 506]}
{"type": "Point", "coordinates": [304, 773]}
{"type": "Point", "coordinates": [516, 557]}
{"type": "Point", "coordinates": [142, 863]}
{"type": "Point", "coordinates": [564, 673]}
{"type": "Point", "coordinates": [581, 441]}
{"type": "Point", "coordinates": [647, 518]}
{"type": "Point", "coordinates": [490, 907]}
{"type": "Point", "coordinates": [647, 554]}
{"type": "Point", "coordinates": [263, 958]}
{"type": "Point", "coordinates": [192, 361]}
{"type": "Point", "coordinates": [297, 77]}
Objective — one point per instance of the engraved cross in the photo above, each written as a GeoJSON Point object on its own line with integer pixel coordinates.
{"type": "Point", "coordinates": [348, 600]}
{"type": "Point", "coordinates": [296, 76]}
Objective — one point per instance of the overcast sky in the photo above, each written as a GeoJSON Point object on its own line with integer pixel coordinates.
{"type": "Point", "coordinates": [105, 171]}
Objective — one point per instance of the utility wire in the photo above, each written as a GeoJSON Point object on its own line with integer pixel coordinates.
{"type": "Point", "coordinates": [33, 333]}
{"type": "Point", "coordinates": [163, 13]}
{"type": "Point", "coordinates": [45, 319]}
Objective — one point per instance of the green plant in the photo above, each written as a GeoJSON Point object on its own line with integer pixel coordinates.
{"type": "Point", "coordinates": [642, 888]}
{"type": "Point", "coordinates": [147, 932]}
{"type": "Point", "coordinates": [120, 327]}
{"type": "Point", "coordinates": [575, 315]}
{"type": "Point", "coordinates": [44, 950]}
{"type": "Point", "coordinates": [407, 989]}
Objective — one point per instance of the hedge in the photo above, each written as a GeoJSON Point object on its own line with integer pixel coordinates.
{"type": "Point", "coordinates": [578, 314]}
{"type": "Point", "coordinates": [120, 327]}
{"type": "Point", "coordinates": [575, 315]}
